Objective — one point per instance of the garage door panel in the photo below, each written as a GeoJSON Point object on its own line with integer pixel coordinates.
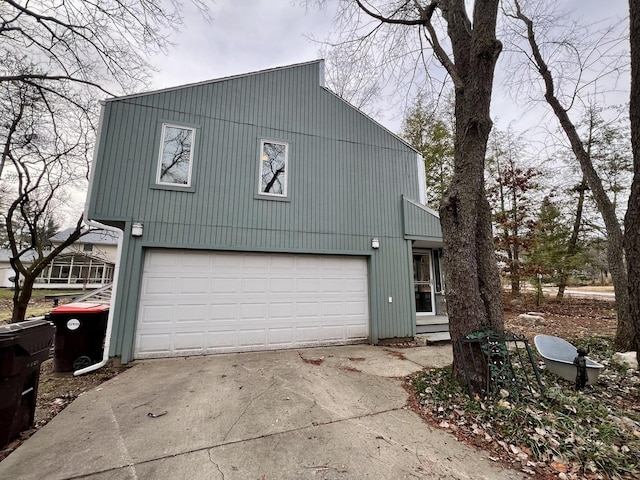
{"type": "Point", "coordinates": [192, 313]}
{"type": "Point", "coordinates": [206, 302]}
{"type": "Point", "coordinates": [355, 308]}
{"type": "Point", "coordinates": [252, 262]}
{"type": "Point", "coordinates": [193, 285]}
{"type": "Point", "coordinates": [252, 337]}
{"type": "Point", "coordinates": [162, 260]}
{"type": "Point", "coordinates": [193, 261]}
{"type": "Point", "coordinates": [355, 285]}
{"type": "Point", "coordinates": [355, 331]}
{"type": "Point", "coordinates": [281, 310]}
{"type": "Point", "coordinates": [159, 285]}
{"type": "Point", "coordinates": [307, 285]}
{"type": "Point", "coordinates": [306, 310]}
{"type": "Point", "coordinates": [282, 285]}
{"type": "Point", "coordinates": [332, 309]}
{"type": "Point", "coordinates": [188, 341]}
{"type": "Point", "coordinates": [282, 262]}
{"type": "Point", "coordinates": [224, 284]}
{"type": "Point", "coordinates": [281, 336]}
{"type": "Point", "coordinates": [156, 342]}
{"type": "Point", "coordinates": [156, 314]}
{"type": "Point", "coordinates": [225, 263]}
{"type": "Point", "coordinates": [332, 285]}
{"type": "Point", "coordinates": [221, 338]}
{"type": "Point", "coordinates": [254, 285]}
{"type": "Point", "coordinates": [305, 334]}
{"type": "Point", "coordinates": [223, 311]}
{"type": "Point", "coordinates": [332, 332]}
{"type": "Point", "coordinates": [252, 311]}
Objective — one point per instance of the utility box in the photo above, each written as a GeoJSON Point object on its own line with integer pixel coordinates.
{"type": "Point", "coordinates": [23, 348]}
{"type": "Point", "coordinates": [80, 334]}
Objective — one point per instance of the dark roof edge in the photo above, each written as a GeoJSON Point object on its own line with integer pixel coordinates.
{"type": "Point", "coordinates": [222, 79]}
{"type": "Point", "coordinates": [370, 118]}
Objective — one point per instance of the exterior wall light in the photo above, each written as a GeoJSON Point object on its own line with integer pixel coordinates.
{"type": "Point", "coordinates": [375, 243]}
{"type": "Point", "coordinates": [136, 230]}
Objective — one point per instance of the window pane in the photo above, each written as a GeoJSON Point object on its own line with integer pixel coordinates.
{"type": "Point", "coordinates": [176, 155]}
{"type": "Point", "coordinates": [273, 168]}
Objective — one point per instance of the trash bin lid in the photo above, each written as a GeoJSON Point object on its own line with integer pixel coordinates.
{"type": "Point", "coordinates": [81, 307]}
{"type": "Point", "coordinates": [15, 329]}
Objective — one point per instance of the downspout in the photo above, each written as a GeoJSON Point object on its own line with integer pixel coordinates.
{"type": "Point", "coordinates": [116, 271]}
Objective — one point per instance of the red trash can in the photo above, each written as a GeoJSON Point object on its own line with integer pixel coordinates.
{"type": "Point", "coordinates": [80, 334]}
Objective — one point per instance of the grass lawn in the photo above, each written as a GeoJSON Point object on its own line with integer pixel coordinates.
{"type": "Point", "coordinates": [38, 305]}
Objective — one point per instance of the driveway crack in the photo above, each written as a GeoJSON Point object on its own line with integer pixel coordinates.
{"type": "Point", "coordinates": [217, 466]}
{"type": "Point", "coordinates": [245, 410]}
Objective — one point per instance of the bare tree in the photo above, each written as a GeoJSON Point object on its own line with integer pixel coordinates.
{"type": "Point", "coordinates": [632, 217]}
{"type": "Point", "coordinates": [625, 335]}
{"type": "Point", "coordinates": [417, 34]}
{"type": "Point", "coordinates": [55, 57]}
{"type": "Point", "coordinates": [356, 81]}
{"type": "Point", "coordinates": [44, 158]}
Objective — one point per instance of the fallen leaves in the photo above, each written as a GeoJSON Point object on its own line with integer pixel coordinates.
{"type": "Point", "coordinates": [593, 434]}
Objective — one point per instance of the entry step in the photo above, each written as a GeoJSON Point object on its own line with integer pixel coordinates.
{"type": "Point", "coordinates": [434, 337]}
{"type": "Point", "coordinates": [432, 320]}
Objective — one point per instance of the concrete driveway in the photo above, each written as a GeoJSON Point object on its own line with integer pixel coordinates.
{"type": "Point", "coordinates": [322, 413]}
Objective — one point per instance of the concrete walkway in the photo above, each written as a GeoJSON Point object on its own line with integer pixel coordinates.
{"type": "Point", "coordinates": [322, 413]}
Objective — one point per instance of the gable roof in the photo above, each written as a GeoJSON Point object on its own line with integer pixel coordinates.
{"type": "Point", "coordinates": [224, 79]}
{"type": "Point", "coordinates": [321, 84]}
{"type": "Point", "coordinates": [97, 237]}
{"type": "Point", "coordinates": [5, 255]}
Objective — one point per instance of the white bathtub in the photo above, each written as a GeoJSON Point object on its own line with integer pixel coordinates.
{"type": "Point", "coordinates": [558, 355]}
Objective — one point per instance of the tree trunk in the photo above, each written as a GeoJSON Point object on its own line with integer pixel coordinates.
{"type": "Point", "coordinates": [21, 299]}
{"type": "Point", "coordinates": [474, 295]}
{"type": "Point", "coordinates": [632, 217]}
{"type": "Point", "coordinates": [573, 241]}
{"type": "Point", "coordinates": [625, 333]}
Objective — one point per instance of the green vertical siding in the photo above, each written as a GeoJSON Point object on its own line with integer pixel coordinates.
{"type": "Point", "coordinates": [420, 223]}
{"type": "Point", "coordinates": [346, 179]}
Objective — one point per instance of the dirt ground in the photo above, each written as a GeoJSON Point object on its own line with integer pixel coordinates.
{"type": "Point", "coordinates": [573, 319]}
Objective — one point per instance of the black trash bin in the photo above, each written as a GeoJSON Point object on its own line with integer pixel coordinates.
{"type": "Point", "coordinates": [23, 348]}
{"type": "Point", "coordinates": [80, 333]}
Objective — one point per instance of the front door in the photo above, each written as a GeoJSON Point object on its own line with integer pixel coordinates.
{"type": "Point", "coordinates": [423, 282]}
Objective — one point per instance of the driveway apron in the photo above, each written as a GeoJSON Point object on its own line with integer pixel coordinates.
{"type": "Point", "coordinates": [321, 413]}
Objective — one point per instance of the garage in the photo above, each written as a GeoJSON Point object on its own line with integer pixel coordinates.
{"type": "Point", "coordinates": [197, 302]}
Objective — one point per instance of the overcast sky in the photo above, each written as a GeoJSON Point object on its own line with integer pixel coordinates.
{"type": "Point", "coordinates": [250, 35]}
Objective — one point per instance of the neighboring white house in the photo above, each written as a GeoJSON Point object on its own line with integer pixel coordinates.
{"type": "Point", "coordinates": [6, 272]}
{"type": "Point", "coordinates": [88, 263]}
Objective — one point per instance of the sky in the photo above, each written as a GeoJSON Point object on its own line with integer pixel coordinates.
{"type": "Point", "coordinates": [251, 35]}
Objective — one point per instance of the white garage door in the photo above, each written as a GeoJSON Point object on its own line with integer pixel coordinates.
{"type": "Point", "coordinates": [197, 302]}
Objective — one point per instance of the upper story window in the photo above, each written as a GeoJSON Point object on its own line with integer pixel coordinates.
{"type": "Point", "coordinates": [176, 155]}
{"type": "Point", "coordinates": [273, 168]}
{"type": "Point", "coordinates": [87, 247]}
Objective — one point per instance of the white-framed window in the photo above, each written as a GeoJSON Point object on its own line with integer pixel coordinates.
{"type": "Point", "coordinates": [273, 168]}
{"type": "Point", "coordinates": [176, 155]}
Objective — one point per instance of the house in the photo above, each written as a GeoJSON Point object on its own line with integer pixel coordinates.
{"type": "Point", "coordinates": [6, 272]}
{"type": "Point", "coordinates": [261, 211]}
{"type": "Point", "coordinates": [89, 263]}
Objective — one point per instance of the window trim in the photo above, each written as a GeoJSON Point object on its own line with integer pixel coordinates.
{"type": "Point", "coordinates": [158, 182]}
{"type": "Point", "coordinates": [274, 196]}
